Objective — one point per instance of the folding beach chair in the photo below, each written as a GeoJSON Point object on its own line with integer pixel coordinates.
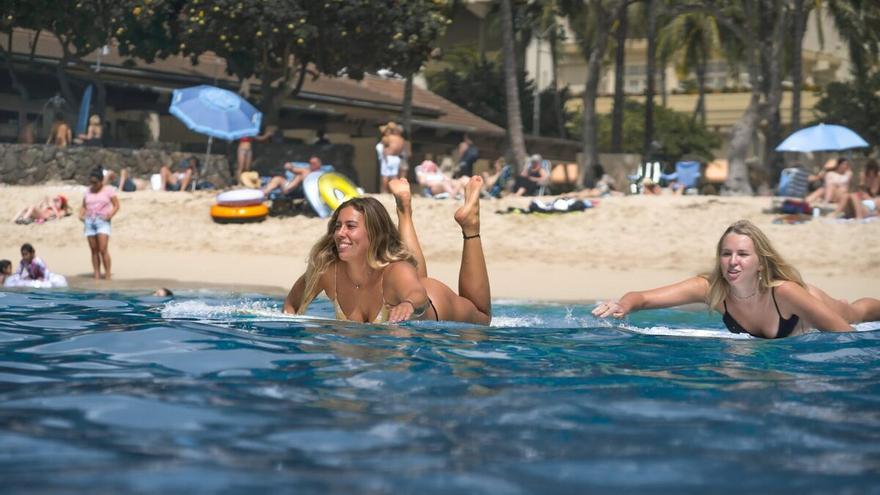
{"type": "Point", "coordinates": [793, 183]}
{"type": "Point", "coordinates": [687, 175]}
{"type": "Point", "coordinates": [646, 170]}
{"type": "Point", "coordinates": [501, 184]}
{"type": "Point", "coordinates": [792, 189]}
{"type": "Point", "coordinates": [544, 188]}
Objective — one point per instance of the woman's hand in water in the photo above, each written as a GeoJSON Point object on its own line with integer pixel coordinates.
{"type": "Point", "coordinates": [401, 312]}
{"type": "Point", "coordinates": [610, 308]}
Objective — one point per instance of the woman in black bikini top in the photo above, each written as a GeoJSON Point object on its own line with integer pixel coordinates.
{"type": "Point", "coordinates": [752, 281]}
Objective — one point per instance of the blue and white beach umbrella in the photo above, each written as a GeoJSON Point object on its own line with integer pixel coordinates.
{"type": "Point", "coordinates": [215, 112]}
{"type": "Point", "coordinates": [822, 137]}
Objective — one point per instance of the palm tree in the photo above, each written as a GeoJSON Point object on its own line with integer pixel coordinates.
{"type": "Point", "coordinates": [591, 22]}
{"type": "Point", "coordinates": [857, 22]}
{"type": "Point", "coordinates": [514, 114]}
{"type": "Point", "coordinates": [692, 38]}
{"type": "Point", "coordinates": [620, 34]}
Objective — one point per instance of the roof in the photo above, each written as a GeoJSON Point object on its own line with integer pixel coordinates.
{"type": "Point", "coordinates": [429, 109]}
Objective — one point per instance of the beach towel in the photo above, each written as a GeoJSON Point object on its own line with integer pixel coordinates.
{"type": "Point", "coordinates": [559, 205]}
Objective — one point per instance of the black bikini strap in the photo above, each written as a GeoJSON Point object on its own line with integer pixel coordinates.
{"type": "Point", "coordinates": [773, 294]}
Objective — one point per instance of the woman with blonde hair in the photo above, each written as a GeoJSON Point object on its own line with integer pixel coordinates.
{"type": "Point", "coordinates": [374, 272]}
{"type": "Point", "coordinates": [755, 290]}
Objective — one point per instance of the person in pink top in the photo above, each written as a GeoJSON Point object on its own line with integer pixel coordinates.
{"type": "Point", "coordinates": [100, 204]}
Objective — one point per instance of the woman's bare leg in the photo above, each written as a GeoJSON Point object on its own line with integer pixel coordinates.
{"type": "Point", "coordinates": [473, 276]}
{"type": "Point", "coordinates": [403, 198]}
{"type": "Point", "coordinates": [103, 249]}
{"type": "Point", "coordinates": [864, 309]}
{"type": "Point", "coordinates": [96, 256]}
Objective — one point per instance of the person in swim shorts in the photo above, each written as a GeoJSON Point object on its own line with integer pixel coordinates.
{"type": "Point", "coordinates": [755, 290]}
{"type": "Point", "coordinates": [390, 150]}
{"type": "Point", "coordinates": [100, 205]}
{"type": "Point", "coordinates": [375, 272]}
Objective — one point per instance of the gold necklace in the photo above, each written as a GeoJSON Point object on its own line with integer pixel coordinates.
{"type": "Point", "coordinates": [744, 297]}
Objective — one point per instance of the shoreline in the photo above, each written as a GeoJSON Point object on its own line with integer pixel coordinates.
{"type": "Point", "coordinates": [626, 243]}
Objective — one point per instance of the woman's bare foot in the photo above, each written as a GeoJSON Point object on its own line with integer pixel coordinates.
{"type": "Point", "coordinates": [402, 194]}
{"type": "Point", "coordinates": [468, 216]}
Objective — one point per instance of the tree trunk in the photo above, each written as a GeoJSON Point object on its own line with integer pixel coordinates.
{"type": "Point", "coordinates": [514, 114]}
{"type": "Point", "coordinates": [554, 69]}
{"type": "Point", "coordinates": [651, 70]}
{"type": "Point", "coordinates": [772, 49]}
{"type": "Point", "coordinates": [591, 85]}
{"type": "Point", "coordinates": [797, 72]}
{"type": "Point", "coordinates": [700, 109]}
{"type": "Point", "coordinates": [406, 119]}
{"type": "Point", "coordinates": [619, 65]}
{"type": "Point", "coordinates": [741, 136]}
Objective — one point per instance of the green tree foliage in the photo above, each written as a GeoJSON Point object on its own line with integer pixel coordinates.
{"type": "Point", "coordinates": [854, 104]}
{"type": "Point", "coordinates": [676, 132]}
{"type": "Point", "coordinates": [281, 41]}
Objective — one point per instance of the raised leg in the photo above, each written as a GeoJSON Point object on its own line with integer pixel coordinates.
{"type": "Point", "coordinates": [403, 198]}
{"type": "Point", "coordinates": [473, 276]}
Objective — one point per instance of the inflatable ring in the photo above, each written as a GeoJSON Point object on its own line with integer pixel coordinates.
{"type": "Point", "coordinates": [240, 197]}
{"type": "Point", "coordinates": [336, 189]}
{"type": "Point", "coordinates": [239, 214]}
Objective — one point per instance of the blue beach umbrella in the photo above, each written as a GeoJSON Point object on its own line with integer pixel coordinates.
{"type": "Point", "coordinates": [822, 137]}
{"type": "Point", "coordinates": [215, 112]}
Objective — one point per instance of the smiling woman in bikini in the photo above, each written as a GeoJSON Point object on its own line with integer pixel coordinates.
{"type": "Point", "coordinates": [755, 290]}
{"type": "Point", "coordinates": [374, 271]}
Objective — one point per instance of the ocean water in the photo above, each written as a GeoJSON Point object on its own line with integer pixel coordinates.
{"type": "Point", "coordinates": [220, 393]}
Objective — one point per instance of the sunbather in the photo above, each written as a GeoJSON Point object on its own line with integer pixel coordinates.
{"type": "Point", "coordinates": [835, 177]}
{"type": "Point", "coordinates": [865, 201]}
{"type": "Point", "coordinates": [436, 182]}
{"type": "Point", "coordinates": [50, 208]}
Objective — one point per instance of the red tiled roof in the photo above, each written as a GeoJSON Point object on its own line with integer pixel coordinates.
{"type": "Point", "coordinates": [429, 109]}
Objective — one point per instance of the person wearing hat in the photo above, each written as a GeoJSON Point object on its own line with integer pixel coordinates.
{"type": "Point", "coordinates": [531, 178]}
{"type": "Point", "coordinates": [389, 151]}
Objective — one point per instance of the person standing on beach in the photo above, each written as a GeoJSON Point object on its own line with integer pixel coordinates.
{"type": "Point", "coordinates": [60, 135]}
{"type": "Point", "coordinates": [389, 150]}
{"type": "Point", "coordinates": [100, 205]}
{"type": "Point", "coordinates": [245, 153]}
{"type": "Point", "coordinates": [467, 156]}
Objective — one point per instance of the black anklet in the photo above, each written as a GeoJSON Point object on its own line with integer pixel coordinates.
{"type": "Point", "coordinates": [466, 237]}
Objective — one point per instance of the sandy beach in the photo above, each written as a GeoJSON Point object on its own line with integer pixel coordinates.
{"type": "Point", "coordinates": [625, 243]}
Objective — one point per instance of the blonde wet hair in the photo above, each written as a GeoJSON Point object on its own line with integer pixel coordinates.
{"type": "Point", "coordinates": [773, 268]}
{"type": "Point", "coordinates": [386, 246]}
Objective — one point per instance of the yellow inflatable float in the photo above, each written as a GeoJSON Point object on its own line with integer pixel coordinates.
{"type": "Point", "coordinates": [336, 189]}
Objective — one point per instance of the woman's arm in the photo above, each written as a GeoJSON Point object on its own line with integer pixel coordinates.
{"type": "Point", "coordinates": [115, 202]}
{"type": "Point", "coordinates": [692, 290]}
{"type": "Point", "coordinates": [814, 310]}
{"type": "Point", "coordinates": [82, 211]}
{"type": "Point", "coordinates": [405, 295]}
{"type": "Point", "coordinates": [291, 302]}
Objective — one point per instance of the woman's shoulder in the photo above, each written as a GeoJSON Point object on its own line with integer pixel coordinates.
{"type": "Point", "coordinates": [787, 289]}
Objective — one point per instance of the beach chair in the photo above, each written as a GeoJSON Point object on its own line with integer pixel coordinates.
{"type": "Point", "coordinates": [687, 174]}
{"type": "Point", "coordinates": [791, 191]}
{"type": "Point", "coordinates": [544, 189]}
{"type": "Point", "coordinates": [501, 184]}
{"type": "Point", "coordinates": [646, 170]}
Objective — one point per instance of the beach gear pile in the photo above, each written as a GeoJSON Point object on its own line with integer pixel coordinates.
{"type": "Point", "coordinates": [559, 205]}
{"type": "Point", "coordinates": [239, 206]}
